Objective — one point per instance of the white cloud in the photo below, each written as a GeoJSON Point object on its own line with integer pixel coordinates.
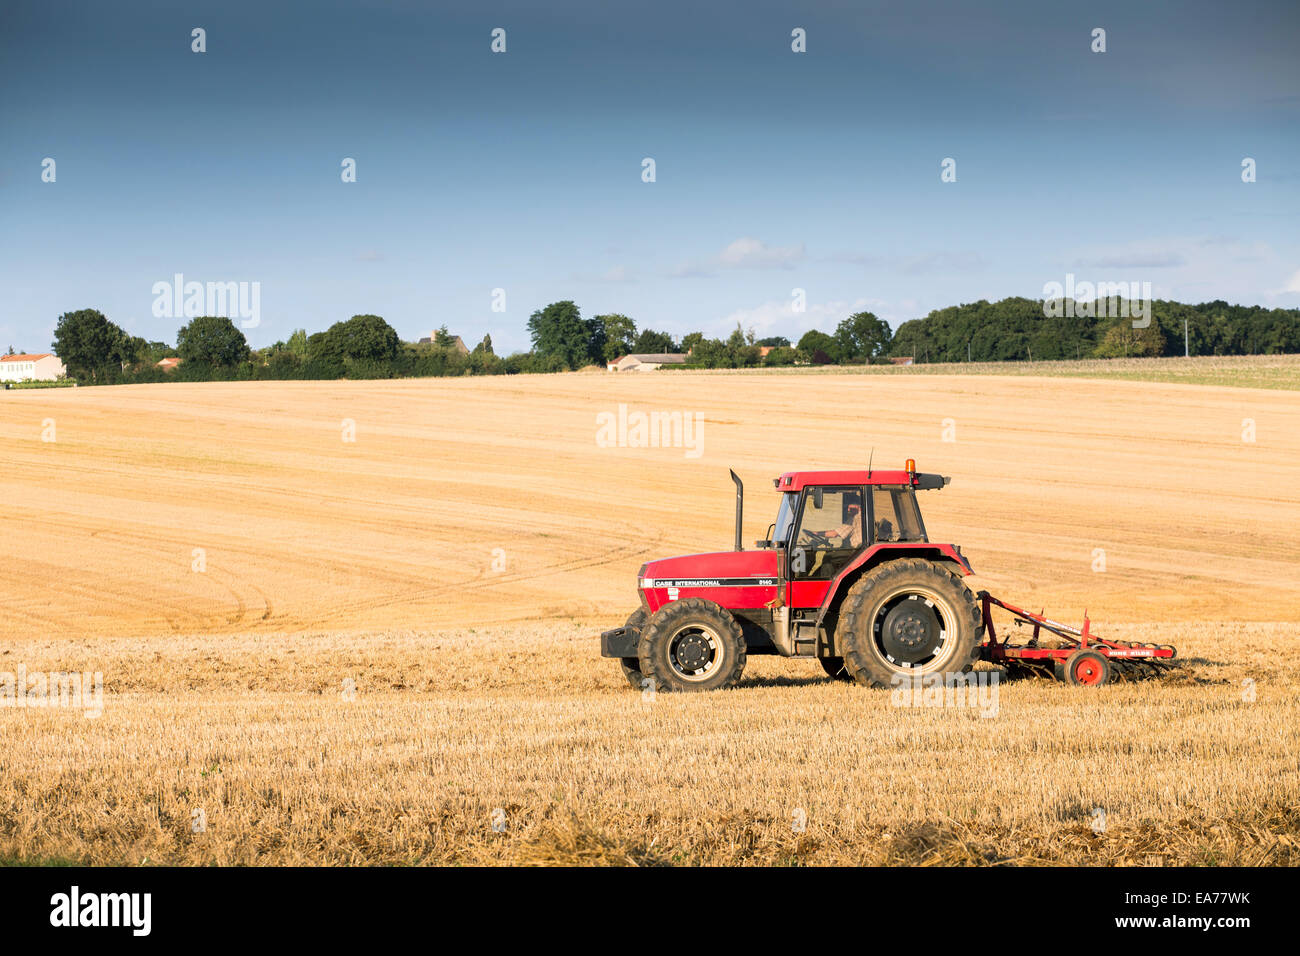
{"type": "Point", "coordinates": [749, 253]}
{"type": "Point", "coordinates": [744, 253]}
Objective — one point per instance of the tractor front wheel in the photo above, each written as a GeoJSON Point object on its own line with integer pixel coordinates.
{"type": "Point", "coordinates": [908, 618]}
{"type": "Point", "coordinates": [690, 645]}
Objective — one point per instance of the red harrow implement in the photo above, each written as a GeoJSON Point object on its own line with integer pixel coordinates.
{"type": "Point", "coordinates": [1075, 656]}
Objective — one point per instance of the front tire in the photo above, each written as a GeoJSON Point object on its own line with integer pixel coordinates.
{"type": "Point", "coordinates": [692, 645]}
{"type": "Point", "coordinates": [907, 618]}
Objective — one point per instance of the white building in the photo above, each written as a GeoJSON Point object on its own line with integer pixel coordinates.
{"type": "Point", "coordinates": [42, 367]}
{"type": "Point", "coordinates": [645, 363]}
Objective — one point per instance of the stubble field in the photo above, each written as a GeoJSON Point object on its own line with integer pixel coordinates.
{"type": "Point", "coordinates": [317, 649]}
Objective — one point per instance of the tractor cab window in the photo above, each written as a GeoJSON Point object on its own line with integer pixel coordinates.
{"type": "Point", "coordinates": [830, 532]}
{"type": "Point", "coordinates": [897, 516]}
{"type": "Point", "coordinates": [784, 519]}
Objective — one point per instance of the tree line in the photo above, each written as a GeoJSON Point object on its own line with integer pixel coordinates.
{"type": "Point", "coordinates": [1017, 329]}
{"type": "Point", "coordinates": [1012, 329]}
{"type": "Point", "coordinates": [560, 332]}
{"type": "Point", "coordinates": [97, 351]}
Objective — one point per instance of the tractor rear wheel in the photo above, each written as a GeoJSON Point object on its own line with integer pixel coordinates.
{"type": "Point", "coordinates": [690, 645]}
{"type": "Point", "coordinates": [632, 665]}
{"type": "Point", "coordinates": [834, 668]}
{"type": "Point", "coordinates": [908, 618]}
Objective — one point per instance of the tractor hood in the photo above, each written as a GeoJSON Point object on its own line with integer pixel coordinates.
{"type": "Point", "coordinates": [734, 579]}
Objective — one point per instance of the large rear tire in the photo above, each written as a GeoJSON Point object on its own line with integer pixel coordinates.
{"type": "Point", "coordinates": [907, 618]}
{"type": "Point", "coordinates": [632, 665]}
{"type": "Point", "coordinates": [692, 645]}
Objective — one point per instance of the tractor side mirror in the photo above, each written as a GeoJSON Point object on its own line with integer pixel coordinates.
{"type": "Point", "coordinates": [817, 498]}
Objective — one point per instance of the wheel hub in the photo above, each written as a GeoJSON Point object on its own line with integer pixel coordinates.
{"type": "Point", "coordinates": [693, 652]}
{"type": "Point", "coordinates": [1087, 672]}
{"type": "Point", "coordinates": [911, 631]}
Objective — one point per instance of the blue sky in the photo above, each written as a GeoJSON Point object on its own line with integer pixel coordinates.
{"type": "Point", "coordinates": [774, 170]}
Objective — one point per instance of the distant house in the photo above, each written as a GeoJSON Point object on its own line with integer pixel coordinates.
{"type": "Point", "coordinates": [645, 363]}
{"type": "Point", "coordinates": [457, 343]}
{"type": "Point", "coordinates": [38, 367]}
{"type": "Point", "coordinates": [168, 364]}
{"type": "Point", "coordinates": [901, 360]}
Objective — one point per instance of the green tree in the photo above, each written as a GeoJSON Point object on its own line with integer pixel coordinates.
{"type": "Point", "coordinates": [740, 338]}
{"type": "Point", "coordinates": [91, 347]}
{"type": "Point", "coordinates": [775, 341]}
{"type": "Point", "coordinates": [560, 332]}
{"type": "Point", "coordinates": [1123, 341]}
{"type": "Point", "coordinates": [820, 348]}
{"type": "Point", "coordinates": [155, 352]}
{"type": "Point", "coordinates": [650, 342]}
{"type": "Point", "coordinates": [861, 337]}
{"type": "Point", "coordinates": [361, 338]}
{"type": "Point", "coordinates": [134, 349]}
{"type": "Point", "coordinates": [620, 334]}
{"type": "Point", "coordinates": [690, 340]}
{"type": "Point", "coordinates": [484, 347]}
{"type": "Point", "coordinates": [212, 340]}
{"type": "Point", "coordinates": [713, 353]}
{"type": "Point", "coordinates": [442, 338]}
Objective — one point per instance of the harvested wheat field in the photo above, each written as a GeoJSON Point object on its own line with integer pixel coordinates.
{"type": "Point", "coordinates": [357, 622]}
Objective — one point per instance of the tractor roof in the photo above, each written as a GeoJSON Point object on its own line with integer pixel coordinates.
{"type": "Point", "coordinates": [796, 480]}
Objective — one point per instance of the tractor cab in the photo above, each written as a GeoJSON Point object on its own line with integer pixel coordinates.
{"type": "Point", "coordinates": [826, 518]}
{"type": "Point", "coordinates": [822, 526]}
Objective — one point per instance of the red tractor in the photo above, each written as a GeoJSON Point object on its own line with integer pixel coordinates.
{"type": "Point", "coordinates": [847, 575]}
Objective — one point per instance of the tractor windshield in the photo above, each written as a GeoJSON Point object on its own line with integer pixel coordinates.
{"type": "Point", "coordinates": [784, 517]}
{"type": "Point", "coordinates": [897, 517]}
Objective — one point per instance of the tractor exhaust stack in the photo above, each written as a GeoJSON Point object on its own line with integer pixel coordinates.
{"type": "Point", "coordinates": [740, 507]}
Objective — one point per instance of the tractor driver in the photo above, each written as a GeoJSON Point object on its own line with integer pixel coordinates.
{"type": "Point", "coordinates": [847, 535]}
{"type": "Point", "coordinates": [850, 533]}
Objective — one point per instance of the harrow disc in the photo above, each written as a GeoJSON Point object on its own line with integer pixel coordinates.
{"type": "Point", "coordinates": [1140, 668]}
